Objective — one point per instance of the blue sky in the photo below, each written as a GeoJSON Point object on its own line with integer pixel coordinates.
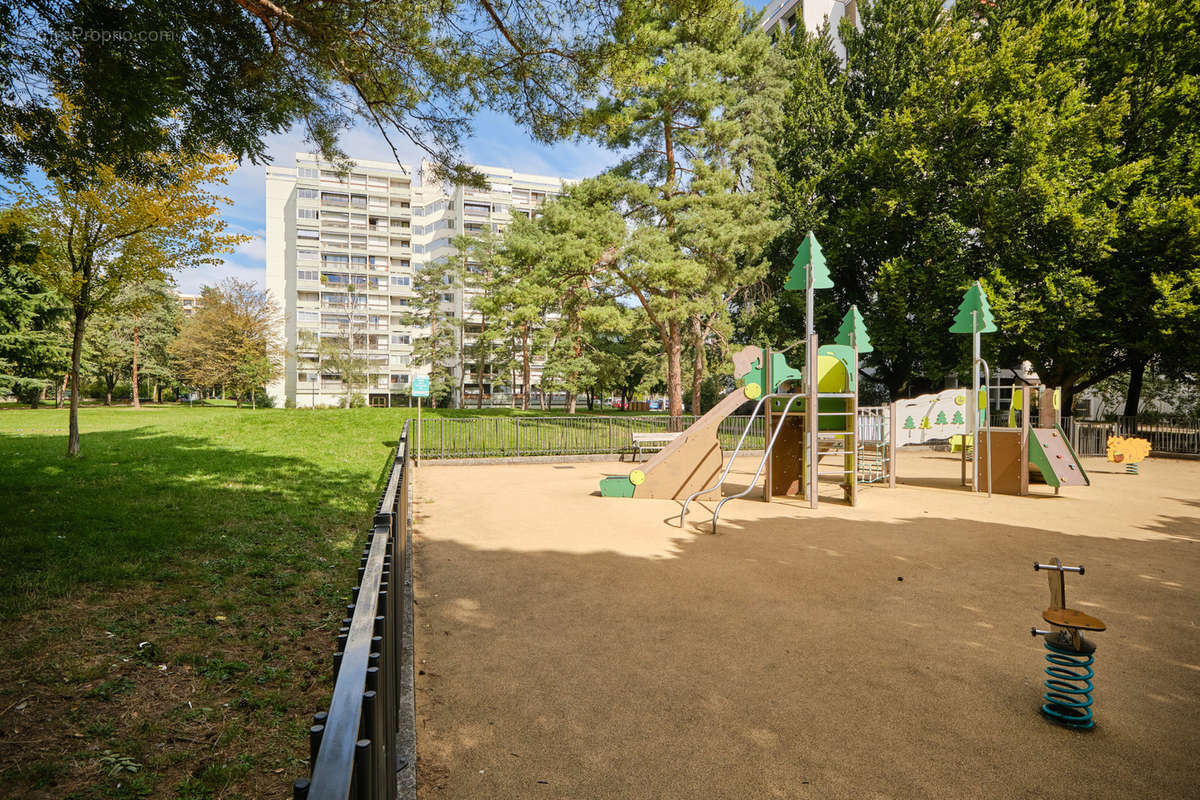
{"type": "Point", "coordinates": [497, 141]}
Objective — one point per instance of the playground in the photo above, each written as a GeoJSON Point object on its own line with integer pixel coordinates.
{"type": "Point", "coordinates": [846, 612]}
{"type": "Point", "coordinates": [572, 645]}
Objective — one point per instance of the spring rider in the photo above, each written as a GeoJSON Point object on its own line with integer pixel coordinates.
{"type": "Point", "coordinates": [1068, 697]}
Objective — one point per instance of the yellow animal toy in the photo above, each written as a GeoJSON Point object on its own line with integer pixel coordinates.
{"type": "Point", "coordinates": [1128, 450]}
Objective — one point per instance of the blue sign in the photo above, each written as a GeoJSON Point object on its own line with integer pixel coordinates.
{"type": "Point", "coordinates": [420, 386]}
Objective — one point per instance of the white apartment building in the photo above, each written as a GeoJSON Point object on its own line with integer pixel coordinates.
{"type": "Point", "coordinates": [189, 303]}
{"type": "Point", "coordinates": [780, 17]}
{"type": "Point", "coordinates": [343, 250]}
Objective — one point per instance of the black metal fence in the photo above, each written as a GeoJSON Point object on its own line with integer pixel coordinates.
{"type": "Point", "coordinates": [357, 748]}
{"type": "Point", "coordinates": [515, 437]}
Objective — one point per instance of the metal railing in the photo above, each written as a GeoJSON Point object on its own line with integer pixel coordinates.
{"type": "Point", "coordinates": [515, 437]}
{"type": "Point", "coordinates": [356, 748]}
{"type": "Point", "coordinates": [1167, 434]}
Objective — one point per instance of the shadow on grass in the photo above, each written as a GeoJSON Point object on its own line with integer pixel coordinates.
{"type": "Point", "coordinates": [145, 505]}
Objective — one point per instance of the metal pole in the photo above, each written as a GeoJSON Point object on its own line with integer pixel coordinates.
{"type": "Point", "coordinates": [974, 401]}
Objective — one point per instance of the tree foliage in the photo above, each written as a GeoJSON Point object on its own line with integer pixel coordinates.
{"type": "Point", "coordinates": [436, 348]}
{"type": "Point", "coordinates": [230, 340]}
{"type": "Point", "coordinates": [111, 232]}
{"type": "Point", "coordinates": [220, 75]}
{"type": "Point", "coordinates": [34, 345]}
{"type": "Point", "coordinates": [1048, 150]}
{"type": "Point", "coordinates": [695, 115]}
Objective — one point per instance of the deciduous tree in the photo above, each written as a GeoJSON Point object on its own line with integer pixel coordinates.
{"type": "Point", "coordinates": [110, 232]}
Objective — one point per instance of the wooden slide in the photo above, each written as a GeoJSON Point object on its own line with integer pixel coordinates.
{"type": "Point", "coordinates": [687, 464]}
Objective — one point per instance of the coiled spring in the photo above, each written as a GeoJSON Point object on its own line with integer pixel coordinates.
{"type": "Point", "coordinates": [1069, 688]}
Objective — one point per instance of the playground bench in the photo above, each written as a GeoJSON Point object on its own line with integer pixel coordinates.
{"type": "Point", "coordinates": [641, 440]}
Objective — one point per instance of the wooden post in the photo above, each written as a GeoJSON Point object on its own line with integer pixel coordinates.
{"type": "Point", "coordinates": [767, 427]}
{"type": "Point", "coordinates": [891, 446]}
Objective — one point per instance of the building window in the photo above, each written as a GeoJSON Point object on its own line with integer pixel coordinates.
{"type": "Point", "coordinates": [448, 297]}
{"type": "Point", "coordinates": [307, 316]}
{"type": "Point", "coordinates": [308, 275]}
{"type": "Point", "coordinates": [307, 213]}
{"type": "Point", "coordinates": [308, 255]}
{"type": "Point", "coordinates": [308, 194]}
{"type": "Point", "coordinates": [335, 199]}
{"type": "Point", "coordinates": [335, 258]}
{"type": "Point", "coordinates": [306, 172]}
{"type": "Point", "coordinates": [401, 280]}
{"type": "Point", "coordinates": [399, 379]}
{"type": "Point", "coordinates": [401, 339]}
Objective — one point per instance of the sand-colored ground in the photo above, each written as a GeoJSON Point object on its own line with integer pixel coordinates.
{"type": "Point", "coordinates": [573, 646]}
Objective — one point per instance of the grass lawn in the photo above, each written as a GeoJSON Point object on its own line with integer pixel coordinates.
{"type": "Point", "coordinates": [168, 599]}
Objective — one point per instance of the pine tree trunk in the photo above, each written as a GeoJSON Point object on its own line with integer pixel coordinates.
{"type": "Point", "coordinates": [674, 347]}
{"type": "Point", "coordinates": [157, 392]}
{"type": "Point", "coordinates": [76, 357]}
{"type": "Point", "coordinates": [697, 364]}
{"type": "Point", "coordinates": [137, 400]}
{"type": "Point", "coordinates": [526, 386]}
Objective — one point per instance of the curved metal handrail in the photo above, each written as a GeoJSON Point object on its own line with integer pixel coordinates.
{"type": "Point", "coordinates": [729, 465]}
{"type": "Point", "coordinates": [763, 462]}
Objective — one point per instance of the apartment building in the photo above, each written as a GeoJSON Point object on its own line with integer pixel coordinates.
{"type": "Point", "coordinates": [343, 250]}
{"type": "Point", "coordinates": [189, 303]}
{"type": "Point", "coordinates": [781, 17]}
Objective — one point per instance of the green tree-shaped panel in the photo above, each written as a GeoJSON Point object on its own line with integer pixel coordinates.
{"type": "Point", "coordinates": [941, 418]}
{"type": "Point", "coordinates": [958, 418]}
{"type": "Point", "coordinates": [852, 323]}
{"type": "Point", "coordinates": [808, 254]}
{"type": "Point", "coordinates": [909, 424]}
{"type": "Point", "coordinates": [974, 300]}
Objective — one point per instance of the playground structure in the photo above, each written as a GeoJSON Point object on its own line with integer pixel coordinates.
{"type": "Point", "coordinates": [1007, 460]}
{"type": "Point", "coordinates": [810, 413]}
{"type": "Point", "coordinates": [1068, 697]}
{"type": "Point", "coordinates": [1004, 460]}
{"type": "Point", "coordinates": [814, 428]}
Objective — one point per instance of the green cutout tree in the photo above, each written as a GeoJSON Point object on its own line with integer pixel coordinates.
{"type": "Point", "coordinates": [941, 419]}
{"type": "Point", "coordinates": [974, 300]}
{"type": "Point", "coordinates": [852, 323]}
{"type": "Point", "coordinates": [808, 253]}
{"type": "Point", "coordinates": [957, 419]}
{"type": "Point", "coordinates": [909, 424]}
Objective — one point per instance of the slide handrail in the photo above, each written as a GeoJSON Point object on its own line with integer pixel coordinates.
{"type": "Point", "coordinates": [762, 462]}
{"type": "Point", "coordinates": [733, 455]}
